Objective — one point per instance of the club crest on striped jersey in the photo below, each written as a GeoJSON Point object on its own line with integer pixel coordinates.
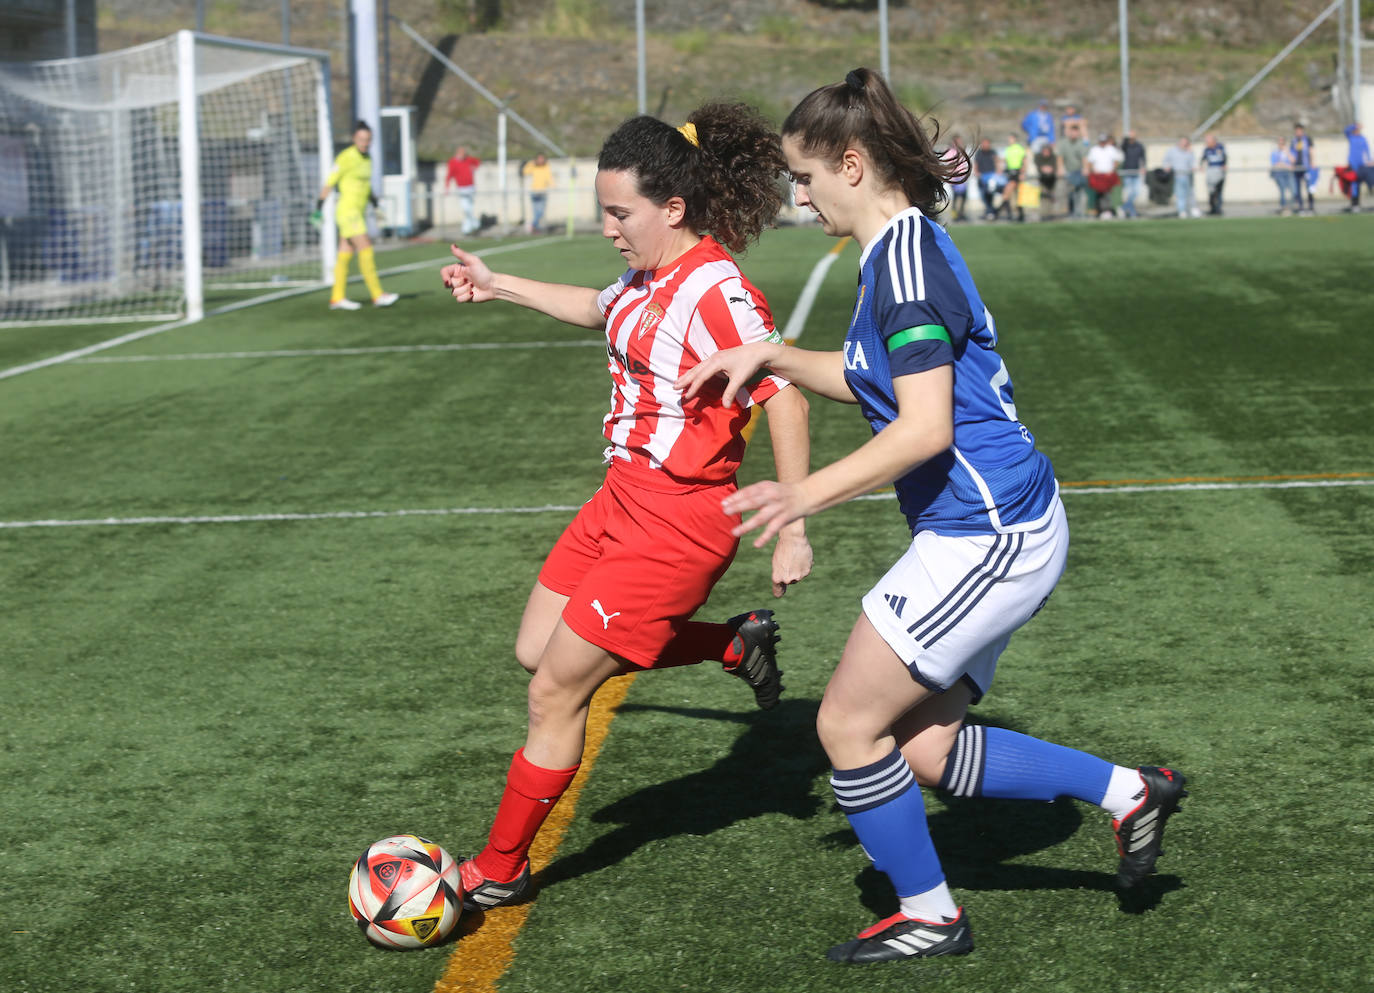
{"type": "Point", "coordinates": [653, 313]}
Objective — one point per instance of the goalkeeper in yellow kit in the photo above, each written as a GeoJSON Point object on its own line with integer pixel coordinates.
{"type": "Point", "coordinates": [352, 175]}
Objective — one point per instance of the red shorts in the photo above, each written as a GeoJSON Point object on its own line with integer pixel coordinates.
{"type": "Point", "coordinates": [639, 558]}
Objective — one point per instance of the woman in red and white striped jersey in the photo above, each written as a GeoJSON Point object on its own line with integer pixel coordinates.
{"type": "Point", "coordinates": [618, 591]}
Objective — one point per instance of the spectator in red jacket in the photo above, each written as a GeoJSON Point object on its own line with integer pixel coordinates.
{"type": "Point", "coordinates": [462, 170]}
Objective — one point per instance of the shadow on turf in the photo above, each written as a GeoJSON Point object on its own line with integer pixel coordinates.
{"type": "Point", "coordinates": [977, 838]}
{"type": "Point", "coordinates": [770, 769]}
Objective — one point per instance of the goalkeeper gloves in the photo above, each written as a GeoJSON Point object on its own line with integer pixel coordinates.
{"type": "Point", "coordinates": [317, 215]}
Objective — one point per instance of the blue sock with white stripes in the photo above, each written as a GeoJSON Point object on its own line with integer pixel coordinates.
{"type": "Point", "coordinates": [994, 762]}
{"type": "Point", "coordinates": [886, 810]}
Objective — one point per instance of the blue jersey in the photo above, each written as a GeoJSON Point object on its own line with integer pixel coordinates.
{"type": "Point", "coordinates": [918, 309]}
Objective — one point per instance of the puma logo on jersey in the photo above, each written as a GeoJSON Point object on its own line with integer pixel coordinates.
{"type": "Point", "coordinates": [854, 357]}
{"type": "Point", "coordinates": [605, 617]}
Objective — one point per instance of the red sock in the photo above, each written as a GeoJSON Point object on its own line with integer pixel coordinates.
{"type": "Point", "coordinates": [530, 795]}
{"type": "Point", "coordinates": [698, 641]}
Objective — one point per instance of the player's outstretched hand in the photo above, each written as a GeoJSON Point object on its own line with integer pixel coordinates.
{"type": "Point", "coordinates": [737, 365]}
{"type": "Point", "coordinates": [468, 279]}
{"type": "Point", "coordinates": [778, 504]}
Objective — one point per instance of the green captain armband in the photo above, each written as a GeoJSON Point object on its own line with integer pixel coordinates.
{"type": "Point", "coordinates": [923, 332]}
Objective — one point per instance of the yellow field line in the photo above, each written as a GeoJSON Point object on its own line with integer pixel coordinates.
{"type": "Point", "coordinates": [485, 952]}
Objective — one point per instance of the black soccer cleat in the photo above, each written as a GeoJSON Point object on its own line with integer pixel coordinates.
{"type": "Point", "coordinates": [480, 893]}
{"type": "Point", "coordinates": [1140, 833]}
{"type": "Point", "coordinates": [900, 937]}
{"type": "Point", "coordinates": [756, 642]}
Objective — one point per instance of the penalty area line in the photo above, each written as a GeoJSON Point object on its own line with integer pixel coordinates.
{"type": "Point", "coordinates": [1068, 489]}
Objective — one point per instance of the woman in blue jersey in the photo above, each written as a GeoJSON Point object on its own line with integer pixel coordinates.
{"type": "Point", "coordinates": [989, 536]}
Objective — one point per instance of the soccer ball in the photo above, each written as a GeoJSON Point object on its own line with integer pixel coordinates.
{"type": "Point", "coordinates": [405, 892]}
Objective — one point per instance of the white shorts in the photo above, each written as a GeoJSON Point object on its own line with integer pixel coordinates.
{"type": "Point", "coordinates": [949, 605]}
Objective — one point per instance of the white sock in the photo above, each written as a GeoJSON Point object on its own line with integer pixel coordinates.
{"type": "Point", "coordinates": [934, 905]}
{"type": "Point", "coordinates": [1124, 792]}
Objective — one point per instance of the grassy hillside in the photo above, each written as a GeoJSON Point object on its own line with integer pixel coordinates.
{"type": "Point", "coordinates": [568, 66]}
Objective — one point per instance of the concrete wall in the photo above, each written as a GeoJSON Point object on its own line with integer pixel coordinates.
{"type": "Point", "coordinates": [573, 194]}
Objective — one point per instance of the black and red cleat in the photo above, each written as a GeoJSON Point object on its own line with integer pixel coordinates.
{"type": "Point", "coordinates": [480, 893]}
{"type": "Point", "coordinates": [900, 937]}
{"type": "Point", "coordinates": [755, 649]}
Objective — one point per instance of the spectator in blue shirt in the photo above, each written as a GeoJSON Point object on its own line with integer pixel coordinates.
{"type": "Point", "coordinates": [1039, 126]}
{"type": "Point", "coordinates": [1358, 159]}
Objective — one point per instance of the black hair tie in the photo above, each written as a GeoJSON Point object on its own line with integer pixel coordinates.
{"type": "Point", "coordinates": [853, 80]}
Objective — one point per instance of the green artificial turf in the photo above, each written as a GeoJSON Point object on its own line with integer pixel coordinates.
{"type": "Point", "coordinates": [204, 723]}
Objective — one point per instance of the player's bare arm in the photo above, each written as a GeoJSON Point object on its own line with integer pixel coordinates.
{"type": "Point", "coordinates": [470, 280]}
{"type": "Point", "coordinates": [788, 412]}
{"type": "Point", "coordinates": [923, 428]}
{"type": "Point", "coordinates": [819, 372]}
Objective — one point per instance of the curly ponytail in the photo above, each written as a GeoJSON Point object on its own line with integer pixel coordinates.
{"type": "Point", "coordinates": [728, 177]}
{"type": "Point", "coordinates": [863, 111]}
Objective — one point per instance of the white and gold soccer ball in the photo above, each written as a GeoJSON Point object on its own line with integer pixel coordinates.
{"type": "Point", "coordinates": [405, 892]}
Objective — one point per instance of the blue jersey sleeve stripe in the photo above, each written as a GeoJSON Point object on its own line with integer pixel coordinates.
{"type": "Point", "coordinates": [925, 332]}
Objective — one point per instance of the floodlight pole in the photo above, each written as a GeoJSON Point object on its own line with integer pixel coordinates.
{"type": "Point", "coordinates": [1125, 67]}
{"type": "Point", "coordinates": [1356, 73]}
{"type": "Point", "coordinates": [641, 86]}
{"type": "Point", "coordinates": [365, 84]}
{"type": "Point", "coordinates": [883, 62]}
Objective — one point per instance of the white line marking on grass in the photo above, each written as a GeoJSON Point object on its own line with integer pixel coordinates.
{"type": "Point", "coordinates": [337, 515]}
{"type": "Point", "coordinates": [326, 352]}
{"type": "Point", "coordinates": [550, 508]}
{"type": "Point", "coordinates": [796, 321]}
{"type": "Point", "coordinates": [124, 339]}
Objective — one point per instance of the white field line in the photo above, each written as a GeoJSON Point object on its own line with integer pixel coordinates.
{"type": "Point", "coordinates": [570, 508]}
{"type": "Point", "coordinates": [796, 322]}
{"type": "Point", "coordinates": [124, 339]}
{"type": "Point", "coordinates": [290, 353]}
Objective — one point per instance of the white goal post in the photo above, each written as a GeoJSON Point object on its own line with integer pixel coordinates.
{"type": "Point", "coordinates": [133, 182]}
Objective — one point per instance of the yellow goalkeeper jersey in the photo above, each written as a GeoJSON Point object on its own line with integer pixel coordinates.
{"type": "Point", "coordinates": [352, 175]}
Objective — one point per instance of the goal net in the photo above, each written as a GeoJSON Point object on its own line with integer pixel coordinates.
{"type": "Point", "coordinates": [133, 181]}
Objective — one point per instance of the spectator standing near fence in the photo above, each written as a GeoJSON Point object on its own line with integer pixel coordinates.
{"type": "Point", "coordinates": [1358, 161]}
{"type": "Point", "coordinates": [1072, 151]}
{"type": "Point", "coordinates": [1047, 168]}
{"type": "Point", "coordinates": [958, 184]}
{"type": "Point", "coordinates": [1014, 157]}
{"type": "Point", "coordinates": [1132, 173]}
{"type": "Point", "coordinates": [1071, 118]}
{"type": "Point", "coordinates": [1301, 149]}
{"type": "Point", "coordinates": [1180, 162]}
{"type": "Point", "coordinates": [1214, 159]}
{"type": "Point", "coordinates": [1039, 126]}
{"type": "Point", "coordinates": [1104, 159]}
{"type": "Point", "coordinates": [1281, 172]}
{"type": "Point", "coordinates": [462, 173]}
{"type": "Point", "coordinates": [539, 174]}
{"type": "Point", "coordinates": [985, 165]}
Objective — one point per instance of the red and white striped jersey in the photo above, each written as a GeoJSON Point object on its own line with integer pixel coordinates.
{"type": "Point", "coordinates": [659, 324]}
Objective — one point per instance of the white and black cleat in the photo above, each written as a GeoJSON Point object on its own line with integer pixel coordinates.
{"type": "Point", "coordinates": [900, 937]}
{"type": "Point", "coordinates": [1141, 832]}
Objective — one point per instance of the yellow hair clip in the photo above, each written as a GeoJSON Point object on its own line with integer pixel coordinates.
{"type": "Point", "coordinates": [689, 131]}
